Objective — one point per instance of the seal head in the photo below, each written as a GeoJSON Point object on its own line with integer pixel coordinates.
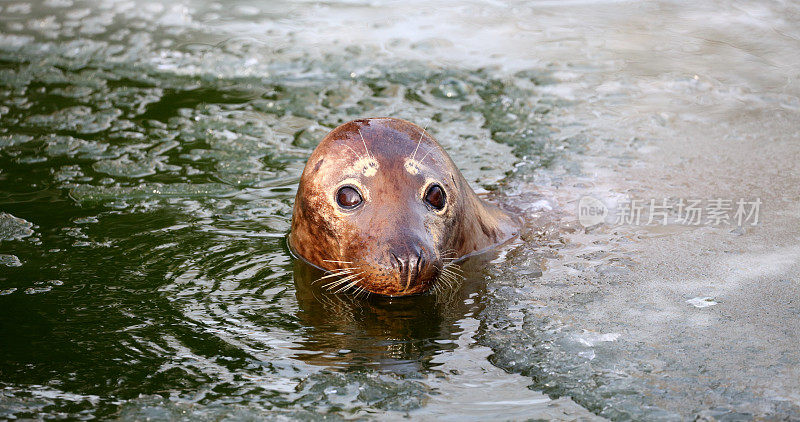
{"type": "Point", "coordinates": [382, 207]}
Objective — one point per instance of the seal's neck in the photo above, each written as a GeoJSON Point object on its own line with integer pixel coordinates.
{"type": "Point", "coordinates": [487, 227]}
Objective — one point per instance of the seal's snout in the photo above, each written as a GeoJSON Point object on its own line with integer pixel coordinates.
{"type": "Point", "coordinates": [404, 270]}
{"type": "Point", "coordinates": [415, 271]}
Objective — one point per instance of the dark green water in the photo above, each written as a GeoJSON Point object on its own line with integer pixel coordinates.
{"type": "Point", "coordinates": [144, 271]}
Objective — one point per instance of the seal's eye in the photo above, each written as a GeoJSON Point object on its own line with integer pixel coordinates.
{"type": "Point", "coordinates": [435, 197]}
{"type": "Point", "coordinates": [348, 197]}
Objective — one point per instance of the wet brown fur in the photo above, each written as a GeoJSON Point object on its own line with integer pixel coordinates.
{"type": "Point", "coordinates": [393, 243]}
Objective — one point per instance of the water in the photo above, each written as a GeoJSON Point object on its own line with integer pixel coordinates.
{"type": "Point", "coordinates": [146, 201]}
{"type": "Point", "coordinates": [149, 156]}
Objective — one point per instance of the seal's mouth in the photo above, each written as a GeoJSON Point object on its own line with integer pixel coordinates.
{"type": "Point", "coordinates": [401, 276]}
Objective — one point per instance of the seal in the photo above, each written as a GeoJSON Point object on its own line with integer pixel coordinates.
{"type": "Point", "coordinates": [384, 210]}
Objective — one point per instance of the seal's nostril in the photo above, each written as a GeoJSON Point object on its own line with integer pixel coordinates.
{"type": "Point", "coordinates": [420, 264]}
{"type": "Point", "coordinates": [398, 262]}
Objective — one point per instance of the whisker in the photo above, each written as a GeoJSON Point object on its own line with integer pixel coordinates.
{"type": "Point", "coordinates": [455, 268]}
{"type": "Point", "coordinates": [449, 254]}
{"type": "Point", "coordinates": [455, 278]}
{"type": "Point", "coordinates": [448, 276]}
{"type": "Point", "coordinates": [358, 154]}
{"type": "Point", "coordinates": [355, 285]}
{"type": "Point", "coordinates": [338, 270]}
{"type": "Point", "coordinates": [334, 274]}
{"type": "Point", "coordinates": [451, 277]}
{"type": "Point", "coordinates": [453, 284]}
{"type": "Point", "coordinates": [341, 281]}
{"type": "Point", "coordinates": [457, 272]}
{"type": "Point", "coordinates": [348, 286]}
{"type": "Point", "coordinates": [438, 283]}
{"type": "Point", "coordinates": [337, 282]}
{"type": "Point", "coordinates": [360, 290]}
{"type": "Point", "coordinates": [365, 144]}
{"type": "Point", "coordinates": [445, 285]}
{"type": "Point", "coordinates": [426, 154]}
{"type": "Point", "coordinates": [419, 141]}
{"type": "Point", "coordinates": [329, 276]}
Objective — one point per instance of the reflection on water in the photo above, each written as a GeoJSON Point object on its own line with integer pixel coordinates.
{"type": "Point", "coordinates": [399, 335]}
